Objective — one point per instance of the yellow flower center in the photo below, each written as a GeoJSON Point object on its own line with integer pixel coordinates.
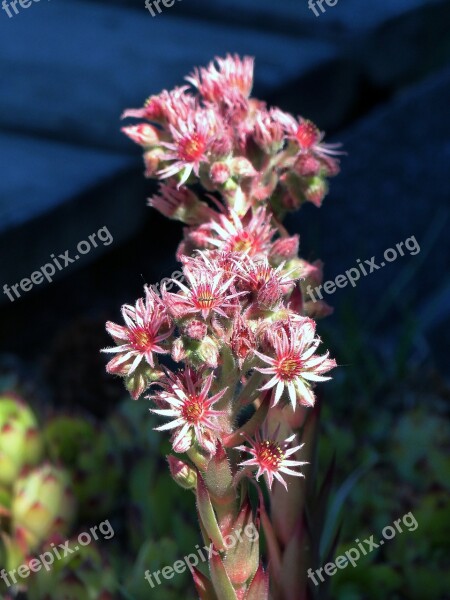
{"type": "Point", "coordinates": [242, 242]}
{"type": "Point", "coordinates": [192, 410]}
{"type": "Point", "coordinates": [192, 148]}
{"type": "Point", "coordinates": [270, 455]}
{"type": "Point", "coordinates": [140, 339]}
{"type": "Point", "coordinates": [289, 368]}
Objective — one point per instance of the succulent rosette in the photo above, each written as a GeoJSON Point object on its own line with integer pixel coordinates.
{"type": "Point", "coordinates": [88, 453]}
{"type": "Point", "coordinates": [43, 504]}
{"type": "Point", "coordinates": [20, 440]}
{"type": "Point", "coordinates": [238, 324]}
{"type": "Point", "coordinates": [83, 575]}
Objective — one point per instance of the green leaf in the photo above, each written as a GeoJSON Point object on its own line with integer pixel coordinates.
{"type": "Point", "coordinates": [221, 581]}
{"type": "Point", "coordinates": [207, 515]}
{"type": "Point", "coordinates": [338, 502]}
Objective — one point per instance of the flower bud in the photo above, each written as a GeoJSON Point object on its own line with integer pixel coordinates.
{"type": "Point", "coordinates": [182, 473]}
{"type": "Point", "coordinates": [307, 135]}
{"type": "Point", "coordinates": [296, 268]}
{"type": "Point", "coordinates": [220, 173]}
{"type": "Point", "coordinates": [242, 167]}
{"type": "Point", "coordinates": [208, 352]}
{"type": "Point", "coordinates": [143, 134]}
{"type": "Point", "coordinates": [285, 248]}
{"type": "Point", "coordinates": [307, 165]}
{"type": "Point", "coordinates": [291, 202]}
{"type": "Point", "coordinates": [152, 159]}
{"type": "Point", "coordinates": [180, 204]}
{"type": "Point", "coordinates": [178, 350]}
{"type": "Point", "coordinates": [316, 190]}
{"type": "Point", "coordinates": [140, 379]}
{"type": "Point", "coordinates": [196, 329]}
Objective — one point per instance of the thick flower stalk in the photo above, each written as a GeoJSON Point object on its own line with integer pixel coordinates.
{"type": "Point", "coordinates": [239, 326]}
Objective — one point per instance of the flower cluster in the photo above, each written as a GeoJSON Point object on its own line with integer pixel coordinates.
{"type": "Point", "coordinates": [239, 322]}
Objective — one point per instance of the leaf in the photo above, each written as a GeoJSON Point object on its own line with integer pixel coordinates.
{"type": "Point", "coordinates": [203, 586]}
{"type": "Point", "coordinates": [338, 502]}
{"type": "Point", "coordinates": [207, 515]}
{"type": "Point", "coordinates": [259, 587]}
{"type": "Point", "coordinates": [221, 581]}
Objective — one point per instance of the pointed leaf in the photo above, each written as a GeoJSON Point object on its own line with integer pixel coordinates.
{"type": "Point", "coordinates": [207, 515]}
{"type": "Point", "coordinates": [338, 502]}
{"type": "Point", "coordinates": [220, 579]}
{"type": "Point", "coordinates": [203, 586]}
{"type": "Point", "coordinates": [259, 587]}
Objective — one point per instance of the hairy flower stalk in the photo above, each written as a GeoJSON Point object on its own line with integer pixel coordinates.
{"type": "Point", "coordinates": [239, 326]}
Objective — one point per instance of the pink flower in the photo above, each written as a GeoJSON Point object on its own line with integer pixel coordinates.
{"type": "Point", "coordinates": [147, 325]}
{"type": "Point", "coordinates": [187, 395]}
{"type": "Point", "coordinates": [143, 134]}
{"type": "Point", "coordinates": [268, 132]}
{"type": "Point", "coordinates": [192, 140]}
{"type": "Point", "coordinates": [295, 364]}
{"type": "Point", "coordinates": [251, 234]}
{"type": "Point", "coordinates": [265, 284]}
{"type": "Point", "coordinates": [271, 457]}
{"type": "Point", "coordinates": [306, 135]}
{"type": "Point", "coordinates": [243, 341]}
{"type": "Point", "coordinates": [181, 204]}
{"type": "Point", "coordinates": [207, 294]}
{"type": "Point", "coordinates": [285, 248]}
{"type": "Point", "coordinates": [229, 75]}
{"type": "Point", "coordinates": [166, 107]}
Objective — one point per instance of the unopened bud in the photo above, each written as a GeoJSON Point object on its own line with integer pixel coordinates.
{"type": "Point", "coordinates": [220, 173]}
{"type": "Point", "coordinates": [143, 134]}
{"type": "Point", "coordinates": [140, 379]}
{"type": "Point", "coordinates": [152, 159]}
{"type": "Point", "coordinates": [178, 350]}
{"type": "Point", "coordinates": [294, 196]}
{"type": "Point", "coordinates": [307, 165]}
{"type": "Point", "coordinates": [316, 190]}
{"type": "Point", "coordinates": [285, 248]}
{"type": "Point", "coordinates": [182, 473]}
{"type": "Point", "coordinates": [209, 352]}
{"type": "Point", "coordinates": [307, 134]}
{"type": "Point", "coordinates": [195, 329]}
{"type": "Point", "coordinates": [242, 167]}
{"type": "Point", "coordinates": [296, 268]}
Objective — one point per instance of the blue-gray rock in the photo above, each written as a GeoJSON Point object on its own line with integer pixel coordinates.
{"type": "Point", "coordinates": [54, 196]}
{"type": "Point", "coordinates": [393, 187]}
{"type": "Point", "coordinates": [69, 69]}
{"type": "Point", "coordinates": [291, 16]}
